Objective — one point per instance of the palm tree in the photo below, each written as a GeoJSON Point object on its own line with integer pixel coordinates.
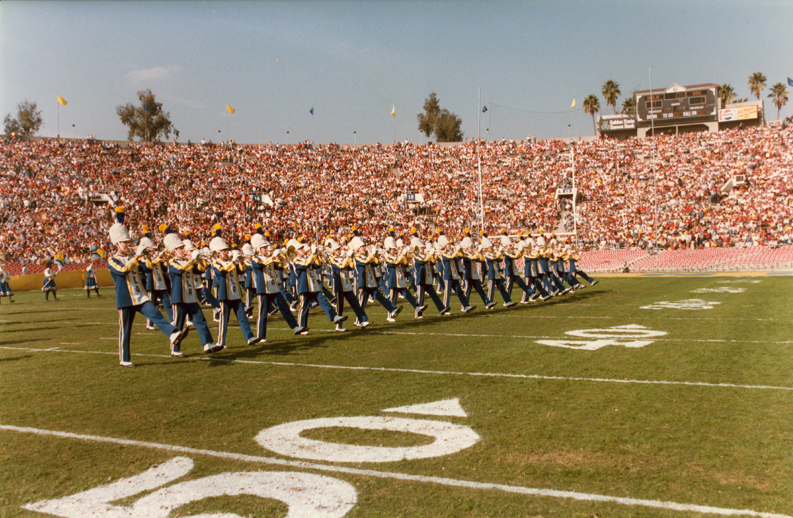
{"type": "Point", "coordinates": [778, 94]}
{"type": "Point", "coordinates": [592, 106]}
{"type": "Point", "coordinates": [629, 105]}
{"type": "Point", "coordinates": [757, 84]}
{"type": "Point", "coordinates": [611, 91]}
{"type": "Point", "coordinates": [726, 94]}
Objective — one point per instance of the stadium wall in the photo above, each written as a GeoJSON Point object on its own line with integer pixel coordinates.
{"type": "Point", "coordinates": [64, 280]}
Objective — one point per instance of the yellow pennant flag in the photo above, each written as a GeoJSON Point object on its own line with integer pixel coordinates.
{"type": "Point", "coordinates": [393, 111]}
{"type": "Point", "coordinates": [573, 105]}
{"type": "Point", "coordinates": [230, 109]}
{"type": "Point", "coordinates": [61, 101]}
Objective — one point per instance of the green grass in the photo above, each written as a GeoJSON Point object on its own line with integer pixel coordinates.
{"type": "Point", "coordinates": [547, 417]}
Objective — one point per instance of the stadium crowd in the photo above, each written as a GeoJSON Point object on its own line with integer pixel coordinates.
{"type": "Point", "coordinates": [315, 191]}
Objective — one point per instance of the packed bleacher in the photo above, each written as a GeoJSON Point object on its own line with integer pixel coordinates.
{"type": "Point", "coordinates": [46, 208]}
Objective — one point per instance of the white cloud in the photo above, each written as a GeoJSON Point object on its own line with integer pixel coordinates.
{"type": "Point", "coordinates": [152, 74]}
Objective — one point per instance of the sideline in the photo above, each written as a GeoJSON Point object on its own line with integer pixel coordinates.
{"type": "Point", "coordinates": [658, 504]}
{"type": "Point", "coordinates": [419, 371]}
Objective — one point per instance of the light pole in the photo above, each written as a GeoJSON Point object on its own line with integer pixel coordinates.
{"type": "Point", "coordinates": [354, 143]}
{"type": "Point", "coordinates": [287, 138]}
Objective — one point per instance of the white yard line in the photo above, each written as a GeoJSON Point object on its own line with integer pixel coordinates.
{"type": "Point", "coordinates": [534, 337]}
{"type": "Point", "coordinates": [574, 495]}
{"type": "Point", "coordinates": [429, 372]}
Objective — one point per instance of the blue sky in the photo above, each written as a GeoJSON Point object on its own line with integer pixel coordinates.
{"type": "Point", "coordinates": [353, 60]}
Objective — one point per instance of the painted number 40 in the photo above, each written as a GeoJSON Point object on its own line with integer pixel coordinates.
{"type": "Point", "coordinates": [626, 336]}
{"type": "Point", "coordinates": [306, 494]}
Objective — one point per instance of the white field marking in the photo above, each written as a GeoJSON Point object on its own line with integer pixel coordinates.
{"type": "Point", "coordinates": [723, 289]}
{"type": "Point", "coordinates": [657, 504]}
{"type": "Point", "coordinates": [617, 335]}
{"type": "Point", "coordinates": [688, 304]}
{"type": "Point", "coordinates": [446, 407]}
{"type": "Point", "coordinates": [285, 439]}
{"type": "Point", "coordinates": [745, 281]}
{"type": "Point", "coordinates": [306, 494]}
{"type": "Point", "coordinates": [71, 343]}
{"type": "Point", "coordinates": [441, 373]}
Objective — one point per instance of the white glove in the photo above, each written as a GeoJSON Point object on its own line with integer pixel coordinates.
{"type": "Point", "coordinates": [195, 254]}
{"type": "Point", "coordinates": [235, 255]}
{"type": "Point", "coordinates": [350, 253]}
{"type": "Point", "coordinates": [141, 250]}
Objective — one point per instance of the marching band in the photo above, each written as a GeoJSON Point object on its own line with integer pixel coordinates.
{"type": "Point", "coordinates": [292, 278]}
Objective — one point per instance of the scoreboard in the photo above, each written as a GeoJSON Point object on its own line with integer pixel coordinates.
{"type": "Point", "coordinates": [676, 105]}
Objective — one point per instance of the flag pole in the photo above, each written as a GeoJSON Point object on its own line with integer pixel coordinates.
{"type": "Point", "coordinates": [59, 120]}
{"type": "Point", "coordinates": [655, 174]}
{"type": "Point", "coordinates": [479, 162]}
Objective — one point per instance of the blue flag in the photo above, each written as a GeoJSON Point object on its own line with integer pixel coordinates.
{"type": "Point", "coordinates": [484, 109]}
{"type": "Point", "coordinates": [790, 81]}
{"type": "Point", "coordinates": [146, 106]}
{"type": "Point", "coordinates": [311, 111]}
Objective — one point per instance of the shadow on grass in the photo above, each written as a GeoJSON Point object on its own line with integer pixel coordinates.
{"type": "Point", "coordinates": [327, 338]}
{"type": "Point", "coordinates": [38, 322]}
{"type": "Point", "coordinates": [16, 358]}
{"type": "Point", "coordinates": [18, 342]}
{"type": "Point", "coordinates": [572, 298]}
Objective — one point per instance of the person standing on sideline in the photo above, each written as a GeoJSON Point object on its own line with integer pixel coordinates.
{"type": "Point", "coordinates": [49, 283]}
{"type": "Point", "coordinates": [90, 281]}
{"type": "Point", "coordinates": [5, 287]}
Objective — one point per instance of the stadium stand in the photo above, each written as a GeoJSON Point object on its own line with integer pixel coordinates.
{"type": "Point", "coordinates": [56, 196]}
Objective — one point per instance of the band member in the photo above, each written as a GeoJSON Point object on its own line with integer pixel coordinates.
{"type": "Point", "coordinates": [530, 269]}
{"type": "Point", "coordinates": [365, 280]}
{"type": "Point", "coordinates": [226, 269]}
{"type": "Point", "coordinates": [5, 287]}
{"type": "Point", "coordinates": [511, 273]}
{"type": "Point", "coordinates": [472, 261]}
{"type": "Point", "coordinates": [573, 258]}
{"type": "Point", "coordinates": [309, 284]}
{"type": "Point", "coordinates": [131, 297]}
{"type": "Point", "coordinates": [156, 271]}
{"type": "Point", "coordinates": [90, 281]}
{"type": "Point", "coordinates": [495, 280]}
{"type": "Point", "coordinates": [451, 276]}
{"type": "Point", "coordinates": [558, 268]}
{"type": "Point", "coordinates": [49, 283]}
{"type": "Point", "coordinates": [395, 275]}
{"type": "Point", "coordinates": [265, 282]}
{"type": "Point", "coordinates": [250, 291]}
{"type": "Point", "coordinates": [184, 295]}
{"type": "Point", "coordinates": [342, 268]}
{"type": "Point", "coordinates": [209, 283]}
{"type": "Point", "coordinates": [423, 260]}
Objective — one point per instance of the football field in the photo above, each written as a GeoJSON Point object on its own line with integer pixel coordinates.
{"type": "Point", "coordinates": [653, 396]}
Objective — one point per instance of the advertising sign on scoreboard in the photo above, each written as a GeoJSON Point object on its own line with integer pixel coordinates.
{"type": "Point", "coordinates": [616, 122]}
{"type": "Point", "coordinates": [676, 105]}
{"type": "Point", "coordinates": [738, 114]}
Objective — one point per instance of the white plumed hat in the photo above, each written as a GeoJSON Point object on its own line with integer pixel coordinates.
{"type": "Point", "coordinates": [218, 244]}
{"type": "Point", "coordinates": [119, 233]}
{"type": "Point", "coordinates": [172, 242]}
